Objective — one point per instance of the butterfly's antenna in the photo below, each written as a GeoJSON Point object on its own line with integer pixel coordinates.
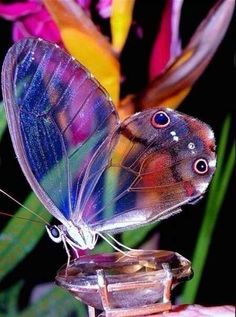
{"type": "Point", "coordinates": [113, 246]}
{"type": "Point", "coordinates": [119, 243]}
{"type": "Point", "coordinates": [9, 215]}
{"type": "Point", "coordinates": [26, 208]}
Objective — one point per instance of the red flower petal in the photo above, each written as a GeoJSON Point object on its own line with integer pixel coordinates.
{"type": "Point", "coordinates": [167, 44]}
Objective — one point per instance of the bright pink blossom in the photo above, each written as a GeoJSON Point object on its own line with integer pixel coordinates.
{"type": "Point", "coordinates": [104, 8]}
{"type": "Point", "coordinates": [30, 19]}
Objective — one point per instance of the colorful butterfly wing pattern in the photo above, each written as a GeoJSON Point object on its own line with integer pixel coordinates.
{"type": "Point", "coordinates": [153, 170]}
{"type": "Point", "coordinates": [58, 116]}
{"type": "Point", "coordinates": [84, 164]}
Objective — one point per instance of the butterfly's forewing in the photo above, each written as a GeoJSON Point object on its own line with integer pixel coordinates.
{"type": "Point", "coordinates": [152, 171]}
{"type": "Point", "coordinates": [58, 117]}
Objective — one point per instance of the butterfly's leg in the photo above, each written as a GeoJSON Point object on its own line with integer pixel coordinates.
{"type": "Point", "coordinates": [119, 243]}
{"type": "Point", "coordinates": [75, 250]}
{"type": "Point", "coordinates": [95, 239]}
{"type": "Point", "coordinates": [111, 244]}
{"type": "Point", "coordinates": [67, 251]}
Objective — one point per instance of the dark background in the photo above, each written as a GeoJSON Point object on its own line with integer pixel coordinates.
{"type": "Point", "coordinates": [210, 100]}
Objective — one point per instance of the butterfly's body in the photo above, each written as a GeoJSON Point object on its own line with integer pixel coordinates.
{"type": "Point", "coordinates": [79, 236]}
{"type": "Point", "coordinates": [93, 173]}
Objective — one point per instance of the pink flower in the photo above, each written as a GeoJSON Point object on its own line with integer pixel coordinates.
{"type": "Point", "coordinates": [104, 8]}
{"type": "Point", "coordinates": [30, 19]}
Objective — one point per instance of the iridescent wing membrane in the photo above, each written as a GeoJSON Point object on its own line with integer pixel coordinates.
{"type": "Point", "coordinates": [81, 162]}
{"type": "Point", "coordinates": [153, 170]}
{"type": "Point", "coordinates": [58, 116]}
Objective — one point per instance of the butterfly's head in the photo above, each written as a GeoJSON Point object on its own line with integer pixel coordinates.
{"type": "Point", "coordinates": [79, 237]}
{"type": "Point", "coordinates": [54, 233]}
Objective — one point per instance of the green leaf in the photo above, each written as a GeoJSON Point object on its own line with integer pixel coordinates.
{"type": "Point", "coordinates": [9, 300]}
{"type": "Point", "coordinates": [56, 302]}
{"type": "Point", "coordinates": [133, 238]}
{"type": "Point", "coordinates": [19, 237]}
{"type": "Point", "coordinates": [102, 247]}
{"type": "Point", "coordinates": [223, 182]}
{"type": "Point", "coordinates": [214, 202]}
{"type": "Point", "coordinates": [3, 121]}
{"type": "Point", "coordinates": [220, 162]}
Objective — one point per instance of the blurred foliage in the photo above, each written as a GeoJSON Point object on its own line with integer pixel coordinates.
{"type": "Point", "coordinates": [18, 238]}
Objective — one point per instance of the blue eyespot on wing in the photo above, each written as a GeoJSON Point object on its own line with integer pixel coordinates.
{"type": "Point", "coordinates": [58, 117]}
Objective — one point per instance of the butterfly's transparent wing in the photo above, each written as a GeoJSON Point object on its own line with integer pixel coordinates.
{"type": "Point", "coordinates": [58, 117]}
{"type": "Point", "coordinates": [150, 173]}
{"type": "Point", "coordinates": [80, 161]}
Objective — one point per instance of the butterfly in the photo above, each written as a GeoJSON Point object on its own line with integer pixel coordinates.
{"type": "Point", "coordinates": [93, 173]}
